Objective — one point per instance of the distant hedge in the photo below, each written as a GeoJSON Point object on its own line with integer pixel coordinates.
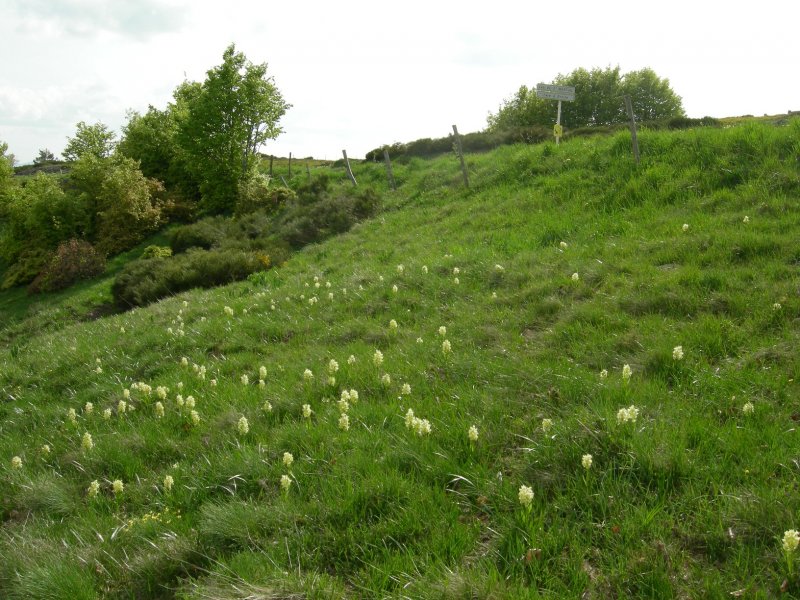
{"type": "Point", "coordinates": [482, 141]}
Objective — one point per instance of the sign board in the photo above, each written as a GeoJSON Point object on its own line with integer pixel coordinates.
{"type": "Point", "coordinates": [558, 130]}
{"type": "Point", "coordinates": [555, 92]}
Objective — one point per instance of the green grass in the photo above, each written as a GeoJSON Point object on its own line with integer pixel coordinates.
{"type": "Point", "coordinates": [691, 500]}
{"type": "Point", "coordinates": [23, 314]}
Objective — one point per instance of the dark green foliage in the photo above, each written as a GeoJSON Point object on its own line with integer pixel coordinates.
{"type": "Point", "coordinates": [150, 139]}
{"type": "Point", "coordinates": [25, 268]}
{"type": "Point", "coordinates": [218, 250]}
{"type": "Point", "coordinates": [178, 207]}
{"type": "Point", "coordinates": [45, 156]}
{"type": "Point", "coordinates": [204, 234]}
{"type": "Point", "coordinates": [681, 122]}
{"type": "Point", "coordinates": [144, 281]}
{"type": "Point", "coordinates": [73, 261]}
{"type": "Point", "coordinates": [321, 212]}
{"type": "Point", "coordinates": [38, 216]}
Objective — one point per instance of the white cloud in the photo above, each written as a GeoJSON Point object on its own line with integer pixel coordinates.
{"type": "Point", "coordinates": [362, 73]}
{"type": "Point", "coordinates": [140, 19]}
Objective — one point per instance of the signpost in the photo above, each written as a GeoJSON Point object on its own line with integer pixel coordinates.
{"type": "Point", "coordinates": [556, 92]}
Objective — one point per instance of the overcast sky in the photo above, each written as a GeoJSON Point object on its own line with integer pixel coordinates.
{"type": "Point", "coordinates": [362, 74]}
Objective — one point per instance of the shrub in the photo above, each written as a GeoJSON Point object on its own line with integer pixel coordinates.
{"type": "Point", "coordinates": [178, 208]}
{"type": "Point", "coordinates": [157, 252]}
{"type": "Point", "coordinates": [123, 205]}
{"type": "Point", "coordinates": [205, 233]}
{"type": "Point", "coordinates": [73, 261]}
{"type": "Point", "coordinates": [478, 141]}
{"type": "Point", "coordinates": [321, 212]}
{"type": "Point", "coordinates": [26, 267]}
{"type": "Point", "coordinates": [144, 281]}
{"type": "Point", "coordinates": [686, 122]}
{"type": "Point", "coordinates": [256, 194]}
{"type": "Point", "coordinates": [366, 203]}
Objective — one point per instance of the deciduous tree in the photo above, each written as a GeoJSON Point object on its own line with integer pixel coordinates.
{"type": "Point", "coordinates": [122, 204]}
{"type": "Point", "coordinates": [44, 156]}
{"type": "Point", "coordinates": [598, 100]}
{"type": "Point", "coordinates": [223, 124]}
{"type": "Point", "coordinates": [95, 140]}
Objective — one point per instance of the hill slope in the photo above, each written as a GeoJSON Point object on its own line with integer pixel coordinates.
{"type": "Point", "coordinates": [500, 327]}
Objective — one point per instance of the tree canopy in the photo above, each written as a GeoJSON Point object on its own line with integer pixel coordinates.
{"type": "Point", "coordinates": [44, 156]}
{"type": "Point", "coordinates": [95, 140]}
{"type": "Point", "coordinates": [223, 123]}
{"type": "Point", "coordinates": [598, 100]}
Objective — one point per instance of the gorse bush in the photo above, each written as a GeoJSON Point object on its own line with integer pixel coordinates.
{"type": "Point", "coordinates": [257, 194]}
{"type": "Point", "coordinates": [144, 281]}
{"type": "Point", "coordinates": [321, 211]}
{"type": "Point", "coordinates": [73, 261]}
{"type": "Point", "coordinates": [157, 252]}
{"type": "Point", "coordinates": [218, 250]}
{"type": "Point", "coordinates": [27, 266]}
{"type": "Point", "coordinates": [205, 234]}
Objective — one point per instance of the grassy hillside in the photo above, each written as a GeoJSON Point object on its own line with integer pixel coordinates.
{"type": "Point", "coordinates": [509, 311]}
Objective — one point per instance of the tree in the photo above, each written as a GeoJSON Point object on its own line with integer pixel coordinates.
{"type": "Point", "coordinates": [44, 156]}
{"type": "Point", "coordinates": [121, 204]}
{"type": "Point", "coordinates": [652, 96]}
{"type": "Point", "coordinates": [524, 109]}
{"type": "Point", "coordinates": [598, 101]}
{"type": "Point", "coordinates": [150, 139]}
{"type": "Point", "coordinates": [6, 171]}
{"type": "Point", "coordinates": [8, 188]}
{"type": "Point", "coordinates": [95, 140]}
{"type": "Point", "coordinates": [36, 218]}
{"type": "Point", "coordinates": [7, 161]}
{"type": "Point", "coordinates": [224, 122]}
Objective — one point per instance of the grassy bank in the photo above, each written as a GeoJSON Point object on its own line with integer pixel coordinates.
{"type": "Point", "coordinates": [684, 268]}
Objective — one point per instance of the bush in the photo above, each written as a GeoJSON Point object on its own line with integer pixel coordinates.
{"type": "Point", "coordinates": [123, 205]}
{"type": "Point", "coordinates": [144, 281]}
{"type": "Point", "coordinates": [321, 212]}
{"type": "Point", "coordinates": [257, 194]}
{"type": "Point", "coordinates": [73, 261]}
{"type": "Point", "coordinates": [204, 234]}
{"type": "Point", "coordinates": [178, 208]}
{"type": "Point", "coordinates": [686, 122]}
{"type": "Point", "coordinates": [26, 267]}
{"type": "Point", "coordinates": [157, 252]}
{"type": "Point", "coordinates": [479, 141]}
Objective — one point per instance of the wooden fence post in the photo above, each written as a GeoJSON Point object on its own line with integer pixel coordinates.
{"type": "Point", "coordinates": [461, 156]}
{"type": "Point", "coordinates": [270, 165]}
{"type": "Point", "coordinates": [389, 173]}
{"type": "Point", "coordinates": [290, 165]}
{"type": "Point", "coordinates": [634, 140]}
{"type": "Point", "coordinates": [347, 166]}
{"type": "Point", "coordinates": [308, 171]}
